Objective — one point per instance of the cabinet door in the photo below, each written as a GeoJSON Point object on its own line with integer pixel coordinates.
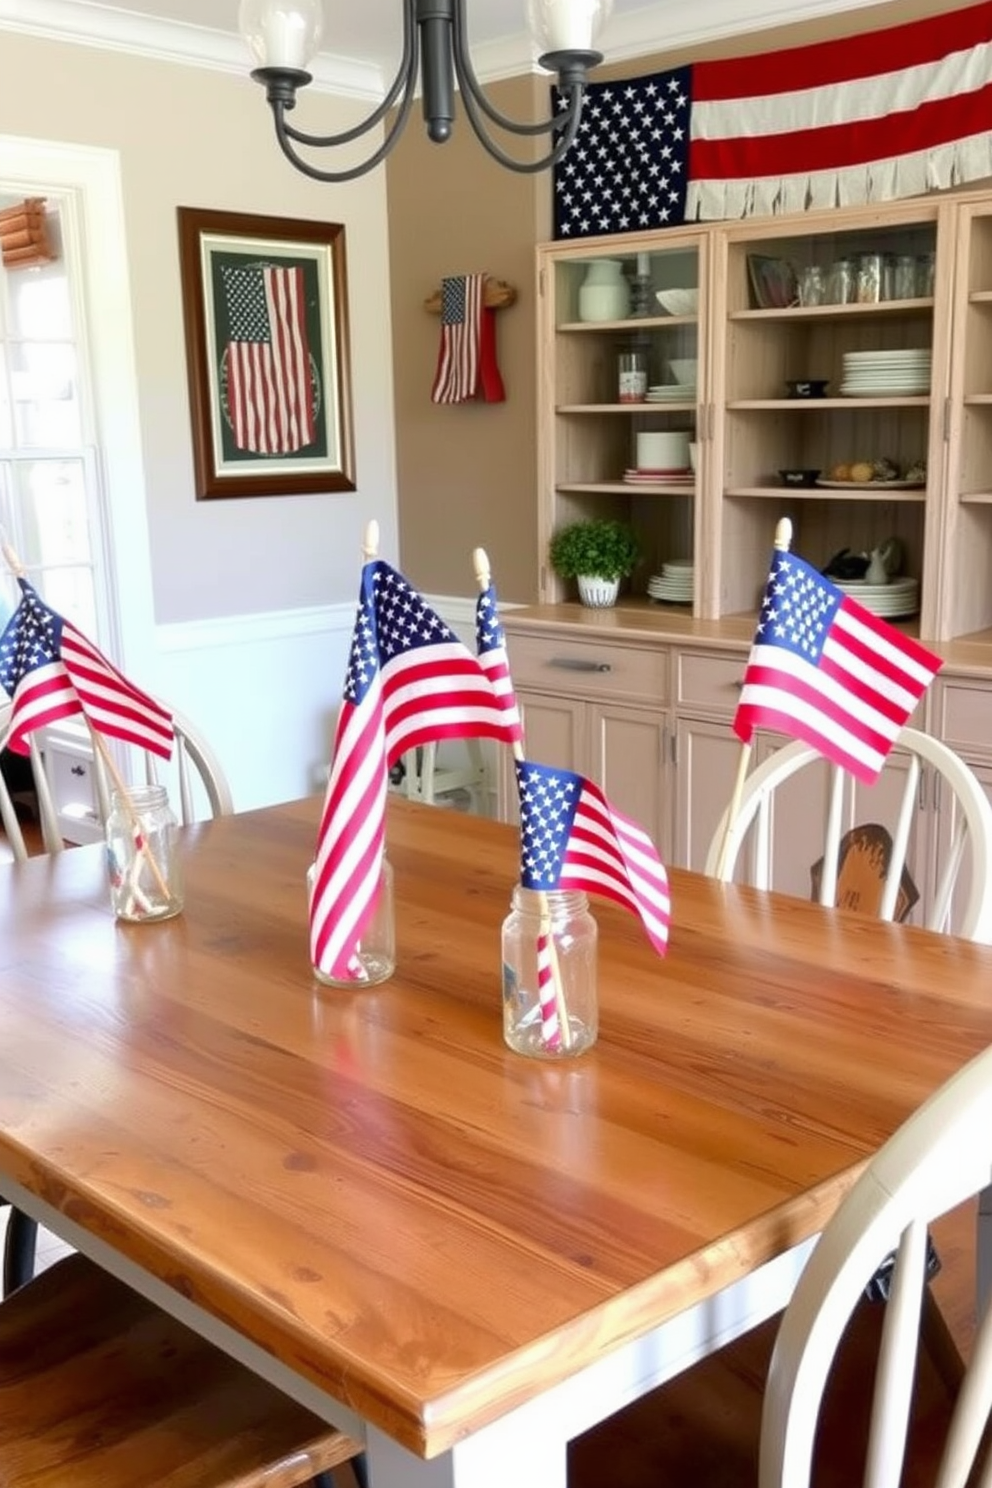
{"type": "Point", "coordinates": [627, 760]}
{"type": "Point", "coordinates": [707, 754]}
{"type": "Point", "coordinates": [554, 734]}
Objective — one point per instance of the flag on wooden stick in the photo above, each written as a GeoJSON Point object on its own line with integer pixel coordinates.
{"type": "Point", "coordinates": [572, 838]}
{"type": "Point", "coordinates": [824, 669]}
{"type": "Point", "coordinates": [410, 681]}
{"type": "Point", "coordinates": [51, 671]}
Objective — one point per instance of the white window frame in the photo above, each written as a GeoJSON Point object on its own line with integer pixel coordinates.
{"type": "Point", "coordinates": [86, 182]}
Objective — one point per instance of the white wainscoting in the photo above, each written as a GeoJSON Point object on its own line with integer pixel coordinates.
{"type": "Point", "coordinates": [264, 689]}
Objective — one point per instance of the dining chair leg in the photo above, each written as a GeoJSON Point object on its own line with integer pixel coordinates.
{"type": "Point", "coordinates": [19, 1249]}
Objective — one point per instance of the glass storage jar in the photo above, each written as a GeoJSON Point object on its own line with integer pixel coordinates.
{"type": "Point", "coordinates": [550, 1008]}
{"type": "Point", "coordinates": [632, 374]}
{"type": "Point", "coordinates": [143, 862]}
{"type": "Point", "coordinates": [374, 958]}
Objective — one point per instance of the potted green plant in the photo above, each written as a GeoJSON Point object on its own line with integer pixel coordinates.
{"type": "Point", "coordinates": [598, 554]}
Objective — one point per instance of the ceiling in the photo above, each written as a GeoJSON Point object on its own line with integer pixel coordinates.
{"type": "Point", "coordinates": [361, 43]}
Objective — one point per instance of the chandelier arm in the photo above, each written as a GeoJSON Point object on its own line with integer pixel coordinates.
{"type": "Point", "coordinates": [567, 123]}
{"type": "Point", "coordinates": [470, 86]}
{"type": "Point", "coordinates": [404, 81]}
{"type": "Point", "coordinates": [285, 138]}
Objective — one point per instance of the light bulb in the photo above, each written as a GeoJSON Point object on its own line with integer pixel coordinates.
{"type": "Point", "coordinates": [567, 25]}
{"type": "Point", "coordinates": [282, 33]}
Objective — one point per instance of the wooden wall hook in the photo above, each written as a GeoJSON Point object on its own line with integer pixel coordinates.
{"type": "Point", "coordinates": [498, 295]}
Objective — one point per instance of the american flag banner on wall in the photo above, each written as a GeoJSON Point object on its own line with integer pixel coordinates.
{"type": "Point", "coordinates": [410, 681]}
{"type": "Point", "coordinates": [457, 374]}
{"type": "Point", "coordinates": [890, 114]}
{"type": "Point", "coordinates": [824, 669]}
{"type": "Point", "coordinates": [270, 384]}
{"type": "Point", "coordinates": [572, 838]}
{"type": "Point", "coordinates": [51, 671]}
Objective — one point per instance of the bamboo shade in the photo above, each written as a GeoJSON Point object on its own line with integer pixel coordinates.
{"type": "Point", "coordinates": [24, 239]}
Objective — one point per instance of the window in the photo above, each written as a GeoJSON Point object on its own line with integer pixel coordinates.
{"type": "Point", "coordinates": [51, 506]}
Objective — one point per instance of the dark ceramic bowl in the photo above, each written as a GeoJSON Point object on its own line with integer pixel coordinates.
{"type": "Point", "coordinates": [808, 387]}
{"type": "Point", "coordinates": [799, 477]}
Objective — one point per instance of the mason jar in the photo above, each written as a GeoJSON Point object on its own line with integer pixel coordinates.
{"type": "Point", "coordinates": [374, 958]}
{"type": "Point", "coordinates": [550, 1008]}
{"type": "Point", "coordinates": [143, 861]}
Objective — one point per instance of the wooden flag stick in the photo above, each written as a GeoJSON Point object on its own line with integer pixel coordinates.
{"type": "Point", "coordinates": [483, 573]}
{"type": "Point", "coordinates": [783, 539]}
{"type": "Point", "coordinates": [370, 545]}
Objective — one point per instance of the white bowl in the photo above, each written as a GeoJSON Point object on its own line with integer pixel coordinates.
{"type": "Point", "coordinates": [683, 369]}
{"type": "Point", "coordinates": [678, 301]}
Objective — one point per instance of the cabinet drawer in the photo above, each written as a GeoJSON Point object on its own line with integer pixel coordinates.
{"type": "Point", "coordinates": [589, 668]}
{"type": "Point", "coordinates": [705, 680]}
{"type": "Point", "coordinates": [964, 715]}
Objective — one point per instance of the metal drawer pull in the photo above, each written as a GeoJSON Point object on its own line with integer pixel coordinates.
{"type": "Point", "coordinates": [576, 664]}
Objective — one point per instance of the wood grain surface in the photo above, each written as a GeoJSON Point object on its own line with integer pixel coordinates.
{"type": "Point", "coordinates": [371, 1185]}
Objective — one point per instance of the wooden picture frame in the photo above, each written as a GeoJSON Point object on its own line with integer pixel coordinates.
{"type": "Point", "coordinates": [265, 312]}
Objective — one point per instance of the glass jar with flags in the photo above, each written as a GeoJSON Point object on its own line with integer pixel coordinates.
{"type": "Point", "coordinates": [143, 862]}
{"type": "Point", "coordinates": [373, 959]}
{"type": "Point", "coordinates": [550, 1006]}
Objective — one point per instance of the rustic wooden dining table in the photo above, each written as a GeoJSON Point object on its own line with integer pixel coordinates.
{"type": "Point", "coordinates": [466, 1256]}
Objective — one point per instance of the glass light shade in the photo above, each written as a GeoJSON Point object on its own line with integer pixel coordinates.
{"type": "Point", "coordinates": [281, 33]}
{"type": "Point", "coordinates": [567, 25]}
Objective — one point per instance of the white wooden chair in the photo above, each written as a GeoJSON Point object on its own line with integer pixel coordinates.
{"type": "Point", "coordinates": [969, 843]}
{"type": "Point", "coordinates": [939, 1158]}
{"type": "Point", "coordinates": [971, 835]}
{"type": "Point", "coordinates": [194, 776]}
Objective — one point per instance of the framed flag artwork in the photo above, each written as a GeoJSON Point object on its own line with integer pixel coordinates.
{"type": "Point", "coordinates": [265, 311]}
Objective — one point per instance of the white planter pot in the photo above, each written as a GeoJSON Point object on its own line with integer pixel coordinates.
{"type": "Point", "coordinates": [596, 592]}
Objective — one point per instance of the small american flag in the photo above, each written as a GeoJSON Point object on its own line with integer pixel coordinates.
{"type": "Point", "coordinates": [457, 374]}
{"type": "Point", "coordinates": [410, 681]}
{"type": "Point", "coordinates": [571, 838]}
{"type": "Point", "coordinates": [490, 645]}
{"type": "Point", "coordinates": [51, 671]}
{"type": "Point", "coordinates": [824, 669]}
{"type": "Point", "coordinates": [270, 384]}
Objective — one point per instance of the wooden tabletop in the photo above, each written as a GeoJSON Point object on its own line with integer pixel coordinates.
{"type": "Point", "coordinates": [371, 1185]}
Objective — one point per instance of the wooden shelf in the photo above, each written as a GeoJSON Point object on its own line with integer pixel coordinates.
{"type": "Point", "coordinates": [627, 488]}
{"type": "Point", "coordinates": [628, 408]}
{"type": "Point", "coordinates": [822, 405]}
{"type": "Point", "coordinates": [873, 309]}
{"type": "Point", "coordinates": [825, 493]}
{"type": "Point", "coordinates": [642, 323]}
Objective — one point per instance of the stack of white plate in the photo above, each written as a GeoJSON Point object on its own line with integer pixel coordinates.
{"type": "Point", "coordinates": [674, 584]}
{"type": "Point", "coordinates": [897, 597]}
{"type": "Point", "coordinates": [671, 392]}
{"type": "Point", "coordinates": [886, 374]}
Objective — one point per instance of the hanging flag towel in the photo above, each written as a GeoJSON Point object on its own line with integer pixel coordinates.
{"type": "Point", "coordinates": [466, 362]}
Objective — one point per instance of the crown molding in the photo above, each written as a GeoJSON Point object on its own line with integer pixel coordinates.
{"type": "Point", "coordinates": [658, 28]}
{"type": "Point", "coordinates": [638, 33]}
{"type": "Point", "coordinates": [90, 24]}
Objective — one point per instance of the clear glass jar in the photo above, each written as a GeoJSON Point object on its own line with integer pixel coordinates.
{"type": "Point", "coordinates": [871, 273]}
{"type": "Point", "coordinates": [841, 284]}
{"type": "Point", "coordinates": [632, 368]}
{"type": "Point", "coordinates": [374, 959]}
{"type": "Point", "coordinates": [904, 277]}
{"type": "Point", "coordinates": [550, 1008]}
{"type": "Point", "coordinates": [143, 862]}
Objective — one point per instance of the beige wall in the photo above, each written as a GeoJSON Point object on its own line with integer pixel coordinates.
{"type": "Point", "coordinates": [466, 475]}
{"type": "Point", "coordinates": [204, 138]}
{"type": "Point", "coordinates": [468, 469]}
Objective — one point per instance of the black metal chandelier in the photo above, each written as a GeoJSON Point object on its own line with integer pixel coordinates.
{"type": "Point", "coordinates": [284, 34]}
